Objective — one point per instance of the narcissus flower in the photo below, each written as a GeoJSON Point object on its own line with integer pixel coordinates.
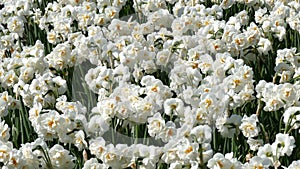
{"type": "Point", "coordinates": [202, 133]}
{"type": "Point", "coordinates": [249, 126]}
{"type": "Point", "coordinates": [284, 144]}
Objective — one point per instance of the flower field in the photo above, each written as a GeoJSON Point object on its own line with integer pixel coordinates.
{"type": "Point", "coordinates": [149, 84]}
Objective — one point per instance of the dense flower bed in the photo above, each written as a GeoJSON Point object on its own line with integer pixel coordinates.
{"type": "Point", "coordinates": [149, 84]}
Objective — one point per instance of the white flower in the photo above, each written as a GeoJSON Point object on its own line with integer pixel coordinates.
{"type": "Point", "coordinates": [97, 147]}
{"type": "Point", "coordinates": [34, 113]}
{"type": "Point", "coordinates": [249, 126]}
{"type": "Point", "coordinates": [100, 19]}
{"type": "Point", "coordinates": [288, 93]}
{"type": "Point", "coordinates": [216, 46]}
{"type": "Point", "coordinates": [267, 151]}
{"type": "Point", "coordinates": [5, 101]}
{"type": "Point", "coordinates": [264, 45]}
{"type": "Point", "coordinates": [98, 125]}
{"type": "Point", "coordinates": [284, 144]}
{"type": "Point", "coordinates": [191, 96]}
{"type": "Point", "coordinates": [207, 152]}
{"type": "Point", "coordinates": [230, 126]}
{"type": "Point", "coordinates": [121, 73]}
{"type": "Point", "coordinates": [148, 65]}
{"type": "Point", "coordinates": [273, 104]}
{"type": "Point", "coordinates": [254, 143]}
{"type": "Point", "coordinates": [150, 155]}
{"type": "Point", "coordinates": [208, 101]}
{"type": "Point", "coordinates": [169, 132]}
{"type": "Point", "coordinates": [111, 12]}
{"type": "Point", "coordinates": [5, 151]}
{"type": "Point", "coordinates": [163, 57]}
{"type": "Point", "coordinates": [280, 32]}
{"type": "Point", "coordinates": [98, 78]}
{"type": "Point", "coordinates": [202, 133]}
{"type": "Point", "coordinates": [124, 109]}
{"type": "Point", "coordinates": [176, 165]}
{"type": "Point", "coordinates": [286, 54]}
{"type": "Point", "coordinates": [132, 54]}
{"type": "Point", "coordinates": [16, 159]}
{"type": "Point", "coordinates": [193, 76]}
{"type": "Point", "coordinates": [155, 87]}
{"type": "Point", "coordinates": [227, 3]}
{"type": "Point", "coordinates": [294, 165]}
{"type": "Point", "coordinates": [235, 82]}
{"type": "Point", "coordinates": [260, 15]}
{"type": "Point", "coordinates": [79, 140]}
{"type": "Point", "coordinates": [253, 34]}
{"type": "Point", "coordinates": [10, 78]}
{"type": "Point", "coordinates": [29, 155]}
{"type": "Point", "coordinates": [206, 62]}
{"type": "Point", "coordinates": [178, 27]}
{"type": "Point", "coordinates": [85, 18]}
{"type": "Point", "coordinates": [112, 157]}
{"type": "Point", "coordinates": [218, 162]}
{"type": "Point", "coordinates": [4, 131]}
{"type": "Point", "coordinates": [187, 150]}
{"type": "Point", "coordinates": [15, 25]}
{"type": "Point", "coordinates": [147, 28]}
{"type": "Point", "coordinates": [60, 157]}
{"type": "Point", "coordinates": [94, 164]}
{"type": "Point", "coordinates": [60, 57]}
{"type": "Point", "coordinates": [48, 124]}
{"type": "Point", "coordinates": [155, 124]}
{"type": "Point", "coordinates": [119, 27]}
{"type": "Point", "coordinates": [280, 10]}
{"type": "Point", "coordinates": [69, 108]}
{"type": "Point", "coordinates": [293, 20]}
{"type": "Point", "coordinates": [270, 95]}
{"type": "Point", "coordinates": [161, 19]}
{"type": "Point", "coordinates": [229, 31]}
{"type": "Point", "coordinates": [239, 40]}
{"type": "Point", "coordinates": [291, 117]}
{"type": "Point", "coordinates": [266, 25]}
{"type": "Point", "coordinates": [234, 161]}
{"type": "Point", "coordinates": [173, 106]}
{"type": "Point", "coordinates": [170, 152]}
{"type": "Point", "coordinates": [257, 162]}
{"type": "Point", "coordinates": [107, 108]}
{"type": "Point", "coordinates": [26, 73]}
{"type": "Point", "coordinates": [52, 37]}
{"type": "Point", "coordinates": [286, 76]}
{"type": "Point", "coordinates": [260, 88]}
{"type": "Point", "coordinates": [60, 84]}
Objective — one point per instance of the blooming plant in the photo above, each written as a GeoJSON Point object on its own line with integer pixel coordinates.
{"type": "Point", "coordinates": [149, 84]}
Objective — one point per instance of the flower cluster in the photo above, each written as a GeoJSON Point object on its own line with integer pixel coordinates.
{"type": "Point", "coordinates": [173, 83]}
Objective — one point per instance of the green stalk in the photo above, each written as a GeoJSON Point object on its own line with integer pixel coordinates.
{"type": "Point", "coordinates": [15, 125]}
{"type": "Point", "coordinates": [214, 139]}
{"type": "Point", "coordinates": [112, 132]}
{"type": "Point", "coordinates": [264, 132]}
{"type": "Point", "coordinates": [280, 124]}
{"type": "Point", "coordinates": [201, 155]}
{"type": "Point", "coordinates": [46, 157]}
{"type": "Point", "coordinates": [21, 128]}
{"type": "Point", "coordinates": [132, 134]}
{"type": "Point", "coordinates": [145, 136]}
{"type": "Point", "coordinates": [136, 134]}
{"type": "Point", "coordinates": [225, 146]}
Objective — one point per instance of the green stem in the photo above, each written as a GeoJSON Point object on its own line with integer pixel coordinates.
{"type": "Point", "coordinates": [145, 135]}
{"type": "Point", "coordinates": [214, 139]}
{"type": "Point", "coordinates": [136, 134]}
